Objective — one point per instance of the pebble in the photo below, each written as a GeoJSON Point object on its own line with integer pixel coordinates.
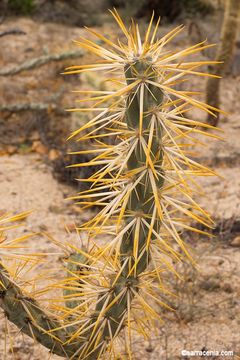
{"type": "Point", "coordinates": [235, 242]}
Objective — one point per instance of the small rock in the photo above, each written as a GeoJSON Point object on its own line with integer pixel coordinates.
{"type": "Point", "coordinates": [11, 149]}
{"type": "Point", "coordinates": [53, 154]}
{"type": "Point", "coordinates": [235, 242]}
{"type": "Point", "coordinates": [227, 288]}
{"type": "Point", "coordinates": [210, 285]}
{"type": "Point", "coordinates": [55, 209]}
{"type": "Point", "coordinates": [39, 148]}
{"type": "Point", "coordinates": [149, 349]}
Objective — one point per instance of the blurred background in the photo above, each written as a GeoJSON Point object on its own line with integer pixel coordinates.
{"type": "Point", "coordinates": [36, 46]}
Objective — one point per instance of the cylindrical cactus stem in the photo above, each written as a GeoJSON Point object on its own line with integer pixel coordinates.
{"type": "Point", "coordinates": [32, 320]}
{"type": "Point", "coordinates": [134, 252]}
{"type": "Point", "coordinates": [224, 55]}
{"type": "Point", "coordinates": [140, 117]}
{"type": "Point", "coordinates": [27, 315]}
{"type": "Point", "coordinates": [74, 268]}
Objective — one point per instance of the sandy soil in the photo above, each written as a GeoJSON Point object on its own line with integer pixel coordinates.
{"type": "Point", "coordinates": [208, 307]}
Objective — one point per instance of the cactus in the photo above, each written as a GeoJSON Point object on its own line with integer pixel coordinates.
{"type": "Point", "coordinates": [114, 288]}
{"type": "Point", "coordinates": [224, 54]}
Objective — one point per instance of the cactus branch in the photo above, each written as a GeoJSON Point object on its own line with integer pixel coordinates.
{"type": "Point", "coordinates": [224, 54]}
{"type": "Point", "coordinates": [40, 61]}
{"type": "Point", "coordinates": [25, 313]}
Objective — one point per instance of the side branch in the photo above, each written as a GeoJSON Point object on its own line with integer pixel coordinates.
{"type": "Point", "coordinates": [12, 32]}
{"type": "Point", "coordinates": [40, 61]}
{"type": "Point", "coordinates": [16, 108]}
{"type": "Point", "coordinates": [33, 321]}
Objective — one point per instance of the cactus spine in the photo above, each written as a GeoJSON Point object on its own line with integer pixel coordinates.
{"type": "Point", "coordinates": [145, 193]}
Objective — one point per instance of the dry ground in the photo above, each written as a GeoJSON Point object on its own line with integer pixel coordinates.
{"type": "Point", "coordinates": [208, 307]}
